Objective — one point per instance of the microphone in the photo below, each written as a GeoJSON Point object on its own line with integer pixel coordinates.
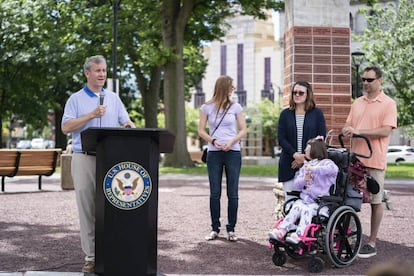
{"type": "Point", "coordinates": [101, 101]}
{"type": "Point", "coordinates": [101, 98]}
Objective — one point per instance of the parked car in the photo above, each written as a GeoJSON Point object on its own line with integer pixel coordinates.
{"type": "Point", "coordinates": [38, 143]}
{"type": "Point", "coordinates": [49, 144]}
{"type": "Point", "coordinates": [24, 144]}
{"type": "Point", "coordinates": [398, 154]}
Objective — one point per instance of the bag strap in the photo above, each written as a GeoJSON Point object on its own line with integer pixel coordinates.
{"type": "Point", "coordinates": [221, 120]}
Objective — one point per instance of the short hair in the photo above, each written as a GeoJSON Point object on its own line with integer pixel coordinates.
{"type": "Point", "coordinates": [98, 59]}
{"type": "Point", "coordinates": [318, 149]}
{"type": "Point", "coordinates": [377, 70]}
{"type": "Point", "coordinates": [309, 102]}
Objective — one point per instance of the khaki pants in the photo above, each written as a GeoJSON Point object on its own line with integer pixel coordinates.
{"type": "Point", "coordinates": [84, 180]}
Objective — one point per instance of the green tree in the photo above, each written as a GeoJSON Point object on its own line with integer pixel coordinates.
{"type": "Point", "coordinates": [44, 44]}
{"type": "Point", "coordinates": [193, 21]}
{"type": "Point", "coordinates": [270, 117]}
{"type": "Point", "coordinates": [41, 61]}
{"type": "Point", "coordinates": [388, 43]}
{"type": "Point", "coordinates": [191, 119]}
{"type": "Point", "coordinates": [140, 52]}
{"type": "Point", "coordinates": [20, 75]}
{"type": "Point", "coordinates": [45, 61]}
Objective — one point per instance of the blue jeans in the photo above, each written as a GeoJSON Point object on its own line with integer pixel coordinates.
{"type": "Point", "coordinates": [231, 162]}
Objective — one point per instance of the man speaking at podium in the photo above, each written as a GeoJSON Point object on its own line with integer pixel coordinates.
{"type": "Point", "coordinates": [92, 106]}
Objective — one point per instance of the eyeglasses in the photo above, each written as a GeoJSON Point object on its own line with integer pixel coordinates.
{"type": "Point", "coordinates": [368, 79]}
{"type": "Point", "coordinates": [298, 93]}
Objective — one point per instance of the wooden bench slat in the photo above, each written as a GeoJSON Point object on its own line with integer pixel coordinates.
{"type": "Point", "coordinates": [6, 170]}
{"type": "Point", "coordinates": [40, 162]}
{"type": "Point", "coordinates": [8, 158]}
{"type": "Point", "coordinates": [34, 171]}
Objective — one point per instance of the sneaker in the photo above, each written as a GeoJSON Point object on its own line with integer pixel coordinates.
{"type": "Point", "coordinates": [272, 235]}
{"type": "Point", "coordinates": [89, 267]}
{"type": "Point", "coordinates": [367, 251]}
{"type": "Point", "coordinates": [277, 234]}
{"type": "Point", "coordinates": [212, 236]}
{"type": "Point", "coordinates": [231, 236]}
{"type": "Point", "coordinates": [293, 238]}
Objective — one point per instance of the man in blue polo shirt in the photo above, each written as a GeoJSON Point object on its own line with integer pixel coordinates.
{"type": "Point", "coordinates": [92, 106]}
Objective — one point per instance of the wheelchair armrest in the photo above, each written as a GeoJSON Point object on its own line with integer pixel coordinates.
{"type": "Point", "coordinates": [331, 198]}
{"type": "Point", "coordinates": [293, 193]}
{"type": "Point", "coordinates": [288, 204]}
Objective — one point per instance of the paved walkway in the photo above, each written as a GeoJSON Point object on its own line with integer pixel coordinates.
{"type": "Point", "coordinates": [45, 273]}
{"type": "Point", "coordinates": [54, 273]}
{"type": "Point", "coordinates": [181, 248]}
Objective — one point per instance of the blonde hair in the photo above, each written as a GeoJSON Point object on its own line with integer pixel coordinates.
{"type": "Point", "coordinates": [221, 92]}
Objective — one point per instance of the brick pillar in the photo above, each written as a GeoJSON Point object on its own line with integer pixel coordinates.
{"type": "Point", "coordinates": [320, 55]}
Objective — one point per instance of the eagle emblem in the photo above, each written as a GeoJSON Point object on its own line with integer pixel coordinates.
{"type": "Point", "coordinates": [130, 185]}
{"type": "Point", "coordinates": [127, 185]}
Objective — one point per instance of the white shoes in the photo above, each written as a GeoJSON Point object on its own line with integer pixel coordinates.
{"type": "Point", "coordinates": [232, 237]}
{"type": "Point", "coordinates": [293, 238]}
{"type": "Point", "coordinates": [277, 234]}
{"type": "Point", "coordinates": [212, 236]}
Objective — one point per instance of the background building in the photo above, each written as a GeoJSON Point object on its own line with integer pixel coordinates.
{"type": "Point", "coordinates": [313, 42]}
{"type": "Point", "coordinates": [251, 55]}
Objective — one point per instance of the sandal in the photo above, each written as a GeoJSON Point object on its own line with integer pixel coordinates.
{"type": "Point", "coordinates": [231, 236]}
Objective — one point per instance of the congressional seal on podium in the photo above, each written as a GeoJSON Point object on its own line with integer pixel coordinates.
{"type": "Point", "coordinates": [127, 185]}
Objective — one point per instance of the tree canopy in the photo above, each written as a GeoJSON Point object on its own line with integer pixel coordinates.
{"type": "Point", "coordinates": [44, 44]}
{"type": "Point", "coordinates": [389, 43]}
{"type": "Point", "coordinates": [193, 21]}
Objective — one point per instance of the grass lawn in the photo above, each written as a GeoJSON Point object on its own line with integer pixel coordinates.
{"type": "Point", "coordinates": [405, 170]}
{"type": "Point", "coordinates": [247, 170]}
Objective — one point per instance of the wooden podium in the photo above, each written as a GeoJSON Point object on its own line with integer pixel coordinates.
{"type": "Point", "coordinates": [126, 197]}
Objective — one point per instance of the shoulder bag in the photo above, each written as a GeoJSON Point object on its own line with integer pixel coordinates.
{"type": "Point", "coordinates": [204, 156]}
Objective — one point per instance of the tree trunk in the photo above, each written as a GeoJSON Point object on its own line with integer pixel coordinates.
{"type": "Point", "coordinates": [175, 115]}
{"type": "Point", "coordinates": [150, 99]}
{"type": "Point", "coordinates": [149, 89]}
{"type": "Point", "coordinates": [1, 133]}
{"type": "Point", "coordinates": [174, 16]}
{"type": "Point", "coordinates": [60, 138]}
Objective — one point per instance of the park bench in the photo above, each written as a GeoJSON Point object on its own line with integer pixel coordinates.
{"type": "Point", "coordinates": [40, 162]}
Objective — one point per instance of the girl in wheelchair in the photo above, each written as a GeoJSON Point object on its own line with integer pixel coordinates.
{"type": "Point", "coordinates": [314, 179]}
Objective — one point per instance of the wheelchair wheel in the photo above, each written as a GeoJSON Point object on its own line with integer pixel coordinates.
{"type": "Point", "coordinates": [279, 258]}
{"type": "Point", "coordinates": [316, 265]}
{"type": "Point", "coordinates": [343, 236]}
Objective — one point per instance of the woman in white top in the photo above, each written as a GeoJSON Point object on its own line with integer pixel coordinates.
{"type": "Point", "coordinates": [227, 126]}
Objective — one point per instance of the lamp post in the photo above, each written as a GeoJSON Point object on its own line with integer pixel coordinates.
{"type": "Point", "coordinates": [279, 90]}
{"type": "Point", "coordinates": [115, 7]}
{"type": "Point", "coordinates": [357, 58]}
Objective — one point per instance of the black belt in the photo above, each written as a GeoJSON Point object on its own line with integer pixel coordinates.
{"type": "Point", "coordinates": [91, 153]}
